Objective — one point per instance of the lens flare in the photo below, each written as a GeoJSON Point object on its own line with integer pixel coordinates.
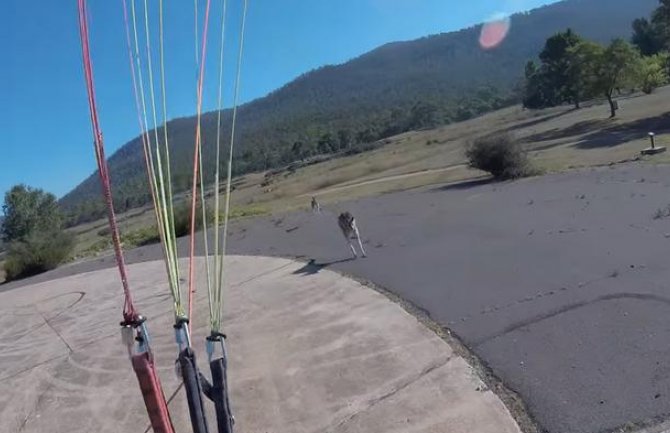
{"type": "Point", "coordinates": [494, 31]}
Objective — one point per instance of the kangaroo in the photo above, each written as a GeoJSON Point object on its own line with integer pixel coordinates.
{"type": "Point", "coordinates": [350, 231]}
{"type": "Point", "coordinates": [316, 207]}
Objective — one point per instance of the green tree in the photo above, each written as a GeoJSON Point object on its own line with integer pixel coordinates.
{"type": "Point", "coordinates": [653, 36]}
{"type": "Point", "coordinates": [396, 122]}
{"type": "Point", "coordinates": [368, 135]}
{"type": "Point", "coordinates": [298, 150]}
{"type": "Point", "coordinates": [37, 253]}
{"type": "Point", "coordinates": [646, 37]}
{"type": "Point", "coordinates": [327, 143]}
{"type": "Point", "coordinates": [423, 115]}
{"type": "Point", "coordinates": [616, 67]}
{"type": "Point", "coordinates": [29, 210]}
{"type": "Point", "coordinates": [560, 76]}
{"type": "Point", "coordinates": [582, 69]}
{"type": "Point", "coordinates": [533, 88]}
{"type": "Point", "coordinates": [660, 19]}
{"type": "Point", "coordinates": [345, 138]}
{"type": "Point", "coordinates": [33, 229]}
{"type": "Point", "coordinates": [653, 72]}
{"type": "Point", "coordinates": [268, 156]}
{"type": "Point", "coordinates": [556, 61]}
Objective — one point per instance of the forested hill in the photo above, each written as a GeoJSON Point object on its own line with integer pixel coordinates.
{"type": "Point", "coordinates": [396, 87]}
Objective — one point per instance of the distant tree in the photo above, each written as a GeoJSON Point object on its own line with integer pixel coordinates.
{"type": "Point", "coordinates": [653, 72]}
{"type": "Point", "coordinates": [653, 36]}
{"type": "Point", "coordinates": [464, 112]}
{"type": "Point", "coordinates": [423, 115]}
{"type": "Point", "coordinates": [269, 156]}
{"type": "Point", "coordinates": [298, 150]}
{"type": "Point", "coordinates": [368, 135]}
{"type": "Point", "coordinates": [310, 148]}
{"type": "Point", "coordinates": [396, 122]}
{"type": "Point", "coordinates": [646, 37]}
{"type": "Point", "coordinates": [582, 69]}
{"type": "Point", "coordinates": [560, 76]}
{"type": "Point", "coordinates": [33, 229]}
{"type": "Point", "coordinates": [181, 181]}
{"type": "Point", "coordinates": [344, 138]}
{"type": "Point", "coordinates": [327, 143]}
{"type": "Point", "coordinates": [533, 88]}
{"type": "Point", "coordinates": [29, 210]}
{"type": "Point", "coordinates": [489, 98]}
{"type": "Point", "coordinates": [531, 69]}
{"type": "Point", "coordinates": [36, 253]}
{"type": "Point", "coordinates": [557, 68]}
{"type": "Point", "coordinates": [616, 67]}
{"type": "Point", "coordinates": [660, 19]}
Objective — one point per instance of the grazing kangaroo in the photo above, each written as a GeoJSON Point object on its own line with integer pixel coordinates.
{"type": "Point", "coordinates": [316, 207]}
{"type": "Point", "coordinates": [349, 229]}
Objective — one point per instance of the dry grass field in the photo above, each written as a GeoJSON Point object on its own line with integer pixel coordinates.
{"type": "Point", "coordinates": [557, 139]}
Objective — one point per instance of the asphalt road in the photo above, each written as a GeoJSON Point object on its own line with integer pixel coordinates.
{"type": "Point", "coordinates": [561, 284]}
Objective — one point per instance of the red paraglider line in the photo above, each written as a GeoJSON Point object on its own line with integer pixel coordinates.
{"type": "Point", "coordinates": [129, 311]}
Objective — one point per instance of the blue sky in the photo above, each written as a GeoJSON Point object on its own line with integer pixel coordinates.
{"type": "Point", "coordinates": [45, 134]}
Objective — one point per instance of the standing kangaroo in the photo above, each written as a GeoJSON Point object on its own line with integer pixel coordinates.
{"type": "Point", "coordinates": [350, 231]}
{"type": "Point", "coordinates": [316, 207]}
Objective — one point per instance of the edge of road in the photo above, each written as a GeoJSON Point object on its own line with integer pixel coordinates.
{"type": "Point", "coordinates": [510, 398]}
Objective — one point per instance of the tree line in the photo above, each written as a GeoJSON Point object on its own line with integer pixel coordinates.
{"type": "Point", "coordinates": [573, 69]}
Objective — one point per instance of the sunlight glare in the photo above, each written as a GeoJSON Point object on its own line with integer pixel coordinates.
{"type": "Point", "coordinates": [494, 31]}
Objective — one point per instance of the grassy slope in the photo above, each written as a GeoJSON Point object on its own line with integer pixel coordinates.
{"type": "Point", "coordinates": [558, 139]}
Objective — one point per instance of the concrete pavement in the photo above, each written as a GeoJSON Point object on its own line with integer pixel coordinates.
{"type": "Point", "coordinates": [310, 352]}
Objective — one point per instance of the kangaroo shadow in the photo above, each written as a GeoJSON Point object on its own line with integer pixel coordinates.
{"type": "Point", "coordinates": [312, 267]}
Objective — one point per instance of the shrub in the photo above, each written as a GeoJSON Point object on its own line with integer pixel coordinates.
{"type": "Point", "coordinates": [245, 212]}
{"type": "Point", "coordinates": [653, 72]}
{"type": "Point", "coordinates": [36, 253]}
{"type": "Point", "coordinates": [96, 247]}
{"type": "Point", "coordinates": [144, 236]}
{"type": "Point", "coordinates": [499, 155]}
{"type": "Point", "coordinates": [182, 219]}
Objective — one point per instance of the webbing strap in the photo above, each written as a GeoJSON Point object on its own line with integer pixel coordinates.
{"type": "Point", "coordinates": [193, 388]}
{"type": "Point", "coordinates": [219, 395]}
{"type": "Point", "coordinates": [152, 392]}
{"type": "Point", "coordinates": [217, 390]}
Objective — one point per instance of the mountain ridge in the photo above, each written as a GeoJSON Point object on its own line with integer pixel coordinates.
{"type": "Point", "coordinates": [397, 86]}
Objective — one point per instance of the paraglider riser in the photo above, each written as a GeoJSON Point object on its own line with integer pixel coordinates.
{"type": "Point", "coordinates": [193, 388]}
{"type": "Point", "coordinates": [154, 399]}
